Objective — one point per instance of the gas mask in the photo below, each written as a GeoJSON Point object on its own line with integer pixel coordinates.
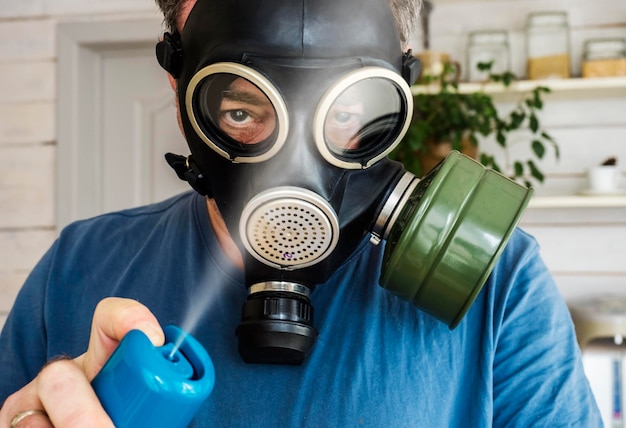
{"type": "Point", "coordinates": [290, 110]}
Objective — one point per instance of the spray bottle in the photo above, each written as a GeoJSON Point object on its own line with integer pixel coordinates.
{"type": "Point", "coordinates": [144, 385]}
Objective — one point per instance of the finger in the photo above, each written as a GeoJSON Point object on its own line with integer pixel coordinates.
{"type": "Point", "coordinates": [113, 318]}
{"type": "Point", "coordinates": [21, 401]}
{"type": "Point", "coordinates": [26, 400]}
{"type": "Point", "coordinates": [68, 398]}
{"type": "Point", "coordinates": [31, 420]}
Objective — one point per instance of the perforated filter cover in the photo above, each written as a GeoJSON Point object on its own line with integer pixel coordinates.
{"type": "Point", "coordinates": [289, 228]}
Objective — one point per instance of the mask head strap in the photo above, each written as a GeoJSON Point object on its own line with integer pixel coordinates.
{"type": "Point", "coordinates": [169, 53]}
{"type": "Point", "coordinates": [188, 171]}
{"type": "Point", "coordinates": [411, 67]}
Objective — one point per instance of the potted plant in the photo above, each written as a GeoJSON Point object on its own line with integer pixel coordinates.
{"type": "Point", "coordinates": [446, 119]}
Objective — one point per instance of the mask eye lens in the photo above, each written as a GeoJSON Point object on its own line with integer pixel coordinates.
{"type": "Point", "coordinates": [342, 125]}
{"type": "Point", "coordinates": [364, 120]}
{"type": "Point", "coordinates": [235, 116]}
{"type": "Point", "coordinates": [244, 113]}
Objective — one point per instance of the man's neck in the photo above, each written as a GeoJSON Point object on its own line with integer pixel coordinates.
{"type": "Point", "coordinates": [221, 232]}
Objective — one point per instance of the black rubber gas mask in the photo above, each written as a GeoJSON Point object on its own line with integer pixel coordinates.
{"type": "Point", "coordinates": [290, 109]}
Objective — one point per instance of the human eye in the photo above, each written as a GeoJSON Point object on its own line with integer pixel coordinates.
{"type": "Point", "coordinates": [245, 122]}
{"type": "Point", "coordinates": [345, 117]}
{"type": "Point", "coordinates": [342, 126]}
{"type": "Point", "coordinates": [236, 116]}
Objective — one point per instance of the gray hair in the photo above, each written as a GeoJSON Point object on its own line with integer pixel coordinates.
{"type": "Point", "coordinates": [406, 13]}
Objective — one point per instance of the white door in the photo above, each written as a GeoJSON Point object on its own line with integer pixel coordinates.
{"type": "Point", "coordinates": [116, 120]}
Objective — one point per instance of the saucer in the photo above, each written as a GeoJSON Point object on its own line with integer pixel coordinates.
{"type": "Point", "coordinates": [592, 192]}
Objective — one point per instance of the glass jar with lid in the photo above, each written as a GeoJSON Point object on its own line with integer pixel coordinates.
{"type": "Point", "coordinates": [547, 45]}
{"type": "Point", "coordinates": [604, 57]}
{"type": "Point", "coordinates": [487, 46]}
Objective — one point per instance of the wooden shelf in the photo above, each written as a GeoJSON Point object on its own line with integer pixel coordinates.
{"type": "Point", "coordinates": [556, 85]}
{"type": "Point", "coordinates": [575, 201]}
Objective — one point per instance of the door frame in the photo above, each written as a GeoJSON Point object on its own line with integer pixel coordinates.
{"type": "Point", "coordinates": [81, 46]}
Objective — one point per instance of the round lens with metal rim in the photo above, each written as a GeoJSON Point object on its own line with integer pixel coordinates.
{"type": "Point", "coordinates": [363, 117]}
{"type": "Point", "coordinates": [237, 112]}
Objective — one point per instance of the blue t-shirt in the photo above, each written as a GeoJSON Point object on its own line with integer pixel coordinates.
{"type": "Point", "coordinates": [378, 361]}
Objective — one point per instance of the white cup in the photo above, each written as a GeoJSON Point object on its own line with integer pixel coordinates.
{"type": "Point", "coordinates": [604, 178]}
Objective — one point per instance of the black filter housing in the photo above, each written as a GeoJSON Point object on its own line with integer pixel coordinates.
{"type": "Point", "coordinates": [276, 328]}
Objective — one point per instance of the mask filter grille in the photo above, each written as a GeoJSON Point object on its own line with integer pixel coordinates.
{"type": "Point", "coordinates": [289, 228]}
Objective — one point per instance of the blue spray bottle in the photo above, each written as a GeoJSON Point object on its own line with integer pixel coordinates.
{"type": "Point", "coordinates": [144, 385]}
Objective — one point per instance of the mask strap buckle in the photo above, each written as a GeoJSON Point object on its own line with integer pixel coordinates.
{"type": "Point", "coordinates": [187, 170]}
{"type": "Point", "coordinates": [169, 53]}
{"type": "Point", "coordinates": [411, 67]}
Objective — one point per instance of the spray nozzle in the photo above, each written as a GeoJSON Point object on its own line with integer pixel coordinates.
{"type": "Point", "coordinates": [144, 385]}
{"type": "Point", "coordinates": [179, 363]}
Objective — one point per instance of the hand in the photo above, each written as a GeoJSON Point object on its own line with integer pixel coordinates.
{"type": "Point", "coordinates": [62, 390]}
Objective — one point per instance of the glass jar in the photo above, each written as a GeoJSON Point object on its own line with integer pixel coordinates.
{"type": "Point", "coordinates": [604, 57]}
{"type": "Point", "coordinates": [487, 46]}
{"type": "Point", "coordinates": [547, 45]}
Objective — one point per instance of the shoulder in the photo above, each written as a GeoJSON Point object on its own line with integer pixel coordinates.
{"type": "Point", "coordinates": [520, 271]}
{"type": "Point", "coordinates": [135, 222]}
{"type": "Point", "coordinates": [170, 207]}
{"type": "Point", "coordinates": [537, 371]}
{"type": "Point", "coordinates": [121, 235]}
{"type": "Point", "coordinates": [521, 247]}
{"type": "Point", "coordinates": [520, 263]}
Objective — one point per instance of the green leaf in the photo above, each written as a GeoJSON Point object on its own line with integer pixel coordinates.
{"type": "Point", "coordinates": [484, 66]}
{"type": "Point", "coordinates": [507, 78]}
{"type": "Point", "coordinates": [517, 118]}
{"type": "Point", "coordinates": [533, 123]}
{"type": "Point", "coordinates": [537, 100]}
{"type": "Point", "coordinates": [485, 159]}
{"type": "Point", "coordinates": [518, 169]}
{"type": "Point", "coordinates": [538, 148]}
{"type": "Point", "coordinates": [535, 172]}
{"type": "Point", "coordinates": [547, 136]}
{"type": "Point", "coordinates": [501, 139]}
{"type": "Point", "coordinates": [557, 151]}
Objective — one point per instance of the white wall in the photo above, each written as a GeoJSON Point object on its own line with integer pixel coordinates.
{"type": "Point", "coordinates": [585, 248]}
{"type": "Point", "coordinates": [28, 54]}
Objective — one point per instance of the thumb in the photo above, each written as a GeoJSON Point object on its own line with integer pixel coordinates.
{"type": "Point", "coordinates": [113, 318]}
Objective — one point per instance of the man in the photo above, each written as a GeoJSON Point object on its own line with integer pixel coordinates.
{"type": "Point", "coordinates": [371, 358]}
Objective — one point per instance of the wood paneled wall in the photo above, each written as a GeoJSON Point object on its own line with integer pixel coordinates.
{"type": "Point", "coordinates": [28, 94]}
